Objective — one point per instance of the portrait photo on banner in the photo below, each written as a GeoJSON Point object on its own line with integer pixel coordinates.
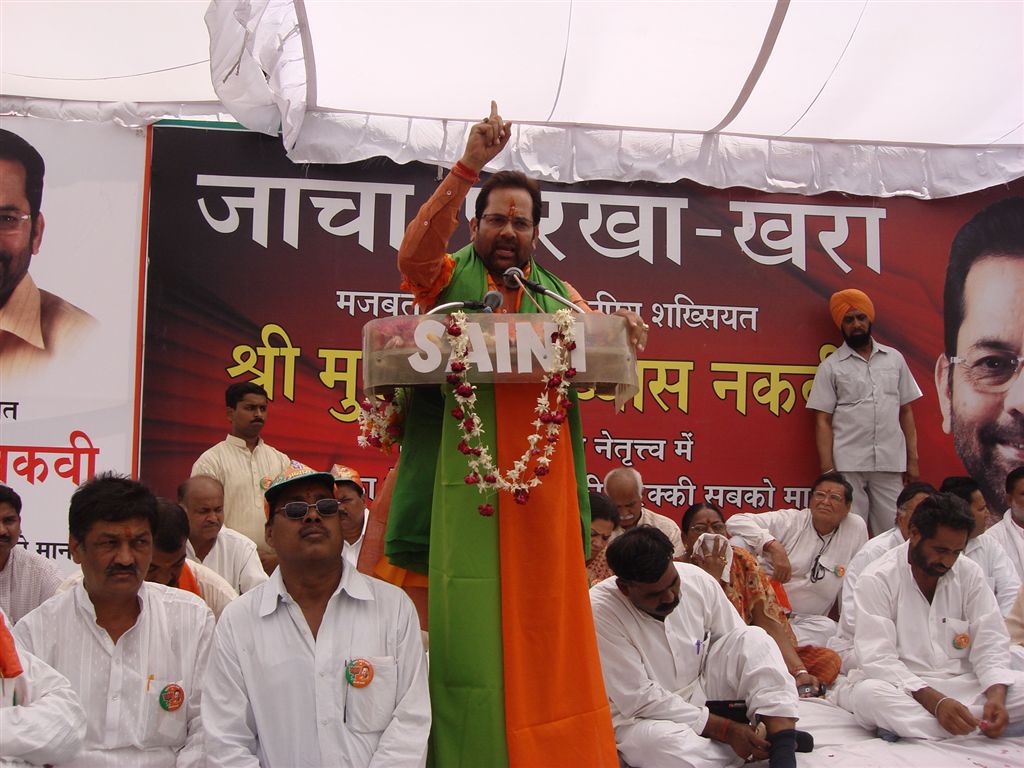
{"type": "Point", "coordinates": [69, 307]}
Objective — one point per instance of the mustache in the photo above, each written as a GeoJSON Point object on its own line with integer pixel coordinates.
{"type": "Point", "coordinates": [667, 607]}
{"type": "Point", "coordinates": [1001, 433]}
{"type": "Point", "coordinates": [113, 570]}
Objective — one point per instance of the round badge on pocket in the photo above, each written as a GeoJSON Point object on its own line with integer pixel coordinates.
{"type": "Point", "coordinates": [172, 697]}
{"type": "Point", "coordinates": [359, 673]}
{"type": "Point", "coordinates": [961, 641]}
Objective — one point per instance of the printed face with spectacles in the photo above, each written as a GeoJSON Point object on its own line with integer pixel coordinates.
{"type": "Point", "coordinates": [980, 387]}
{"type": "Point", "coordinates": [19, 236]}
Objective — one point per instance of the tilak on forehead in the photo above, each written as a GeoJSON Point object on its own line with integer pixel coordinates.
{"type": "Point", "coordinates": [512, 209]}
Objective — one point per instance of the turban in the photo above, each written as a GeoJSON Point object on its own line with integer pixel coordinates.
{"type": "Point", "coordinates": [843, 301]}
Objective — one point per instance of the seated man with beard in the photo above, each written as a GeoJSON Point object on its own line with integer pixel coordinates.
{"type": "Point", "coordinates": [932, 647]}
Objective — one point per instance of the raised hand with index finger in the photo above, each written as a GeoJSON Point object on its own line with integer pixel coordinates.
{"type": "Point", "coordinates": [486, 140]}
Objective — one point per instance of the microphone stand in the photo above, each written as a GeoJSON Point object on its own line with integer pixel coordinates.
{"type": "Point", "coordinates": [517, 274]}
{"type": "Point", "coordinates": [472, 305]}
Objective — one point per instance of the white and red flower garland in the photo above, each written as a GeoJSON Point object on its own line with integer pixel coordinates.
{"type": "Point", "coordinates": [380, 421]}
{"type": "Point", "coordinates": [527, 471]}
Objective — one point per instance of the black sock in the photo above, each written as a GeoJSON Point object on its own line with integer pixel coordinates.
{"type": "Point", "coordinates": [783, 750]}
{"type": "Point", "coordinates": [804, 741]}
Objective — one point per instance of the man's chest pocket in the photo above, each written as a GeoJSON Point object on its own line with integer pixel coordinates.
{"type": "Point", "coordinates": [164, 712]}
{"type": "Point", "coordinates": [955, 636]}
{"type": "Point", "coordinates": [887, 382]}
{"type": "Point", "coordinates": [370, 706]}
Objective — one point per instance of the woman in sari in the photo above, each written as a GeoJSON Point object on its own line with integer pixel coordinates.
{"type": "Point", "coordinates": [751, 592]}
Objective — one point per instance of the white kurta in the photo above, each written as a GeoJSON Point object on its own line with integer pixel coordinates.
{"type": "Point", "coordinates": [275, 696]}
{"type": "Point", "coordinates": [1011, 536]}
{"type": "Point", "coordinates": [350, 552]}
{"type": "Point", "coordinates": [904, 643]}
{"type": "Point", "coordinates": [235, 558]}
{"type": "Point", "coordinates": [240, 472]}
{"type": "Point", "coordinates": [120, 685]}
{"type": "Point", "coordinates": [811, 601]}
{"type": "Point", "coordinates": [999, 571]}
{"type": "Point", "coordinates": [659, 674]}
{"type": "Point", "coordinates": [842, 641]}
{"type": "Point", "coordinates": [41, 719]}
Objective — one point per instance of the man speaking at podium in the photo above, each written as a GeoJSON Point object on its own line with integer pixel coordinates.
{"type": "Point", "coordinates": [515, 675]}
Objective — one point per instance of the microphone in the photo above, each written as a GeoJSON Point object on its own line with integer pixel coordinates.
{"type": "Point", "coordinates": [514, 277]}
{"type": "Point", "coordinates": [491, 301]}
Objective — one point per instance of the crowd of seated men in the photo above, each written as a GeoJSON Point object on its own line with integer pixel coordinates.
{"type": "Point", "coordinates": [899, 630]}
{"type": "Point", "coordinates": [173, 644]}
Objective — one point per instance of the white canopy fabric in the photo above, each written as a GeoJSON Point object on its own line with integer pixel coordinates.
{"type": "Point", "coordinates": [872, 97]}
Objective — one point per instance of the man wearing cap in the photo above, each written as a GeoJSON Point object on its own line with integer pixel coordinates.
{"type": "Point", "coordinates": [320, 665]}
{"type": "Point", "coordinates": [348, 490]}
{"type": "Point", "coordinates": [864, 426]}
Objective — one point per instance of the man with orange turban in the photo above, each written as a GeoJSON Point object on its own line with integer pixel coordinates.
{"type": "Point", "coordinates": [864, 426]}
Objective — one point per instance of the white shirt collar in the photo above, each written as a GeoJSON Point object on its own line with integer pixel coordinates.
{"type": "Point", "coordinates": [352, 582]}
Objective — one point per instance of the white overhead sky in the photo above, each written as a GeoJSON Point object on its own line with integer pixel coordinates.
{"type": "Point", "coordinates": [867, 96]}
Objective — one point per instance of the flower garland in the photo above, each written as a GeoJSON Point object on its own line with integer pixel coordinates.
{"type": "Point", "coordinates": [527, 471]}
{"type": "Point", "coordinates": [380, 421]}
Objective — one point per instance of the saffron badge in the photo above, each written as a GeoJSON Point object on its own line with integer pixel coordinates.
{"type": "Point", "coordinates": [359, 673]}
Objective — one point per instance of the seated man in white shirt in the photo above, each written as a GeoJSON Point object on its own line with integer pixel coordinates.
{"type": "Point", "coordinates": [911, 495]}
{"type": "Point", "coordinates": [231, 554]}
{"type": "Point", "coordinates": [133, 651]}
{"type": "Point", "coordinates": [808, 551]}
{"type": "Point", "coordinates": [41, 719]}
{"type": "Point", "coordinates": [26, 578]}
{"type": "Point", "coordinates": [320, 665]}
{"type": "Point", "coordinates": [669, 641]}
{"type": "Point", "coordinates": [932, 647]}
{"type": "Point", "coordinates": [984, 550]}
{"type": "Point", "coordinates": [1009, 531]}
{"type": "Point", "coordinates": [625, 486]}
{"type": "Point", "coordinates": [348, 490]}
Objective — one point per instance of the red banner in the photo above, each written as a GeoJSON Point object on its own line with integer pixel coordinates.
{"type": "Point", "coordinates": [261, 269]}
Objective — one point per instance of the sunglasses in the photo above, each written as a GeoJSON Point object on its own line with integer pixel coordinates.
{"type": "Point", "coordinates": [296, 510]}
